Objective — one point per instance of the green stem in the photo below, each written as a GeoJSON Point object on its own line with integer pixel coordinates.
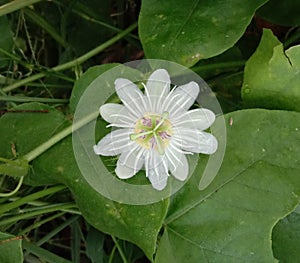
{"type": "Point", "coordinates": [23, 82]}
{"type": "Point", "coordinates": [74, 62]}
{"type": "Point", "coordinates": [112, 254]}
{"type": "Point", "coordinates": [40, 21]}
{"type": "Point", "coordinates": [57, 230]}
{"type": "Point", "coordinates": [42, 254]}
{"type": "Point", "coordinates": [15, 5]}
{"type": "Point", "coordinates": [24, 200]}
{"type": "Point", "coordinates": [48, 209]}
{"type": "Point", "coordinates": [17, 59]}
{"type": "Point", "coordinates": [119, 249]}
{"type": "Point", "coordinates": [39, 223]}
{"type": "Point", "coordinates": [59, 136]}
{"type": "Point", "coordinates": [15, 190]}
{"type": "Point", "coordinates": [86, 17]}
{"type": "Point", "coordinates": [32, 99]}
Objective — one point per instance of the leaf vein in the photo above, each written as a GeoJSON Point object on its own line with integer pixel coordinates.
{"type": "Point", "coordinates": [188, 208]}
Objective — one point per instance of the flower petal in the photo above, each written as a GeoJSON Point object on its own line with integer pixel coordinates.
{"type": "Point", "coordinates": [182, 98]}
{"type": "Point", "coordinates": [117, 114]}
{"type": "Point", "coordinates": [114, 143]}
{"type": "Point", "coordinates": [177, 163]}
{"type": "Point", "coordinates": [129, 164]}
{"type": "Point", "coordinates": [157, 88]}
{"type": "Point", "coordinates": [195, 141]}
{"type": "Point", "coordinates": [131, 96]}
{"type": "Point", "coordinates": [195, 119]}
{"type": "Point", "coordinates": [156, 170]}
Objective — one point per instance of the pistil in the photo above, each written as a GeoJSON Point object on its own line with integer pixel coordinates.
{"type": "Point", "coordinates": [153, 131]}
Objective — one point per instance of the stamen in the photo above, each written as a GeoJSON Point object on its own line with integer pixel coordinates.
{"type": "Point", "coordinates": [135, 136]}
{"type": "Point", "coordinates": [146, 122]}
{"type": "Point", "coordinates": [160, 147]}
{"type": "Point", "coordinates": [164, 116]}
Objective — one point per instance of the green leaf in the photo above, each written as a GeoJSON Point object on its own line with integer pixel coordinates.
{"type": "Point", "coordinates": [59, 165]}
{"type": "Point", "coordinates": [137, 224]}
{"type": "Point", "coordinates": [281, 12]}
{"type": "Point", "coordinates": [286, 238]}
{"type": "Point", "coordinates": [258, 183]}
{"type": "Point", "coordinates": [94, 245]}
{"type": "Point", "coordinates": [272, 76]}
{"type": "Point", "coordinates": [193, 30]}
{"type": "Point", "coordinates": [17, 167]}
{"type": "Point", "coordinates": [6, 40]}
{"type": "Point", "coordinates": [26, 131]}
{"type": "Point", "coordinates": [10, 249]}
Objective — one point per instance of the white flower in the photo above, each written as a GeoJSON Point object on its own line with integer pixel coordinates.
{"type": "Point", "coordinates": [156, 129]}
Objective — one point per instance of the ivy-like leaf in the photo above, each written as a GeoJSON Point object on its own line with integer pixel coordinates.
{"type": "Point", "coordinates": [272, 76]}
{"type": "Point", "coordinates": [188, 31]}
{"type": "Point", "coordinates": [258, 184]}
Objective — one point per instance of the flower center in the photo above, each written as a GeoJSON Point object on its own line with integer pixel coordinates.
{"type": "Point", "coordinates": [153, 132]}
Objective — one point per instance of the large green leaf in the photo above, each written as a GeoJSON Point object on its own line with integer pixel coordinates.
{"type": "Point", "coordinates": [272, 76]}
{"type": "Point", "coordinates": [138, 224]}
{"type": "Point", "coordinates": [281, 12]}
{"type": "Point", "coordinates": [59, 165]}
{"type": "Point", "coordinates": [286, 238]}
{"type": "Point", "coordinates": [188, 31]}
{"type": "Point", "coordinates": [10, 249]}
{"type": "Point", "coordinates": [258, 183]}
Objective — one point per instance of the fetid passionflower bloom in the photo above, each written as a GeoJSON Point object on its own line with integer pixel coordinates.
{"type": "Point", "coordinates": [156, 129]}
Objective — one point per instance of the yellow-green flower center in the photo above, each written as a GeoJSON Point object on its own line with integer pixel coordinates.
{"type": "Point", "coordinates": [153, 131]}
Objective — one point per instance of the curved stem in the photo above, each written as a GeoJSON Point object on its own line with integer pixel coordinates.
{"type": "Point", "coordinates": [74, 62]}
{"type": "Point", "coordinates": [59, 136]}
{"type": "Point", "coordinates": [112, 254]}
{"type": "Point", "coordinates": [119, 249]}
{"type": "Point", "coordinates": [15, 190]}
